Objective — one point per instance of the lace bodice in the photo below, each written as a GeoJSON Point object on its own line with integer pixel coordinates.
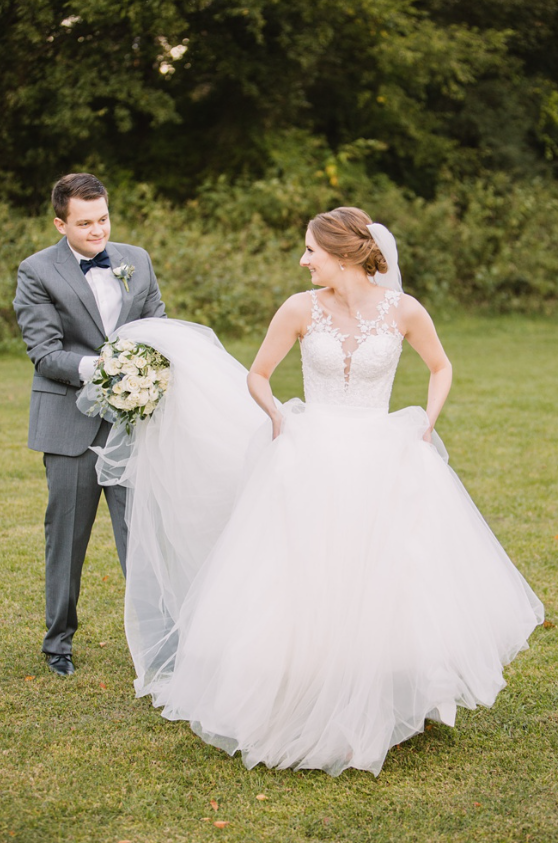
{"type": "Point", "coordinates": [354, 370]}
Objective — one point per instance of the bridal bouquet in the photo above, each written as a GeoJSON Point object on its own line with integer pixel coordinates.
{"type": "Point", "coordinates": [130, 379]}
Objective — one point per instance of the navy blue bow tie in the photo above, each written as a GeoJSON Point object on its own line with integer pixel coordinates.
{"type": "Point", "coordinates": [101, 260]}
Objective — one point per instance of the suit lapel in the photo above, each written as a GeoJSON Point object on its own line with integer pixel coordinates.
{"type": "Point", "coordinates": [70, 271]}
{"type": "Point", "coordinates": [116, 259]}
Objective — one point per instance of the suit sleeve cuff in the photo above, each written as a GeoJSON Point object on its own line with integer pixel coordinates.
{"type": "Point", "coordinates": [87, 367]}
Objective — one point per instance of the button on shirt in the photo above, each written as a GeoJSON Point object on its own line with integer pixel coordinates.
{"type": "Point", "coordinates": [107, 290]}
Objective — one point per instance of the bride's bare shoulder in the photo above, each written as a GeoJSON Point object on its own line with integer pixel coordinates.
{"type": "Point", "coordinates": [294, 314]}
{"type": "Point", "coordinates": [409, 303]}
{"type": "Point", "coordinates": [297, 305]}
{"type": "Point", "coordinates": [411, 307]}
{"type": "Point", "coordinates": [300, 301]}
{"type": "Point", "coordinates": [412, 314]}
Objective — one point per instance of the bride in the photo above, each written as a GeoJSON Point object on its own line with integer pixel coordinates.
{"type": "Point", "coordinates": [308, 582]}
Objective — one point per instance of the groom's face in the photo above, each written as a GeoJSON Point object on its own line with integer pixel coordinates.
{"type": "Point", "coordinates": [87, 225]}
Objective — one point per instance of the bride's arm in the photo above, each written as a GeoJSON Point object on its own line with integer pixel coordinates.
{"type": "Point", "coordinates": [420, 333]}
{"type": "Point", "coordinates": [284, 329]}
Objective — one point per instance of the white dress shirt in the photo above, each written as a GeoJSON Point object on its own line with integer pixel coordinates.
{"type": "Point", "coordinates": [107, 289]}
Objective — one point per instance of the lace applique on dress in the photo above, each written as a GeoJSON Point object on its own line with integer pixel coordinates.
{"type": "Point", "coordinates": [378, 325]}
{"type": "Point", "coordinates": [321, 322]}
{"type": "Point", "coordinates": [363, 376]}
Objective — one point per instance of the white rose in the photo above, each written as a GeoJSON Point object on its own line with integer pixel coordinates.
{"type": "Point", "coordinates": [149, 407]}
{"type": "Point", "coordinates": [118, 402]}
{"type": "Point", "coordinates": [153, 393]}
{"type": "Point", "coordinates": [139, 361]}
{"type": "Point", "coordinates": [131, 383]}
{"type": "Point", "coordinates": [163, 376]}
{"type": "Point", "coordinates": [142, 398]}
{"type": "Point", "coordinates": [117, 389]}
{"type": "Point", "coordinates": [107, 352]}
{"type": "Point", "coordinates": [150, 374]}
{"type": "Point", "coordinates": [125, 345]}
{"type": "Point", "coordinates": [112, 366]}
{"type": "Point", "coordinates": [144, 382]}
{"type": "Point", "coordinates": [129, 369]}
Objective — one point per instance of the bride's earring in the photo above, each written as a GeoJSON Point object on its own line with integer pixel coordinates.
{"type": "Point", "coordinates": [341, 267]}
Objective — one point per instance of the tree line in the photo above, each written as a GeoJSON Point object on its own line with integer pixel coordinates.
{"type": "Point", "coordinates": [178, 93]}
{"type": "Point", "coordinates": [220, 127]}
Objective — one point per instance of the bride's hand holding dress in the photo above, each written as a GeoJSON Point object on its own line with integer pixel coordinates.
{"type": "Point", "coordinates": [419, 331]}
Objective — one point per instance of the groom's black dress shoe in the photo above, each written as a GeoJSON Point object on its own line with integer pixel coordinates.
{"type": "Point", "coordinates": [60, 663]}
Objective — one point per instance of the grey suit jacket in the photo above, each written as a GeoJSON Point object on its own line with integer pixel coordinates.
{"type": "Point", "coordinates": [60, 322]}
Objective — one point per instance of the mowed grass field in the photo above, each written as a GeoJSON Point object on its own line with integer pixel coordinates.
{"type": "Point", "coordinates": [83, 760]}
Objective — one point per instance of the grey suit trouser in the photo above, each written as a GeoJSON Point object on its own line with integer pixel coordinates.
{"type": "Point", "coordinates": [73, 498]}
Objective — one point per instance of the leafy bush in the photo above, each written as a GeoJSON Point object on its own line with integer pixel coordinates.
{"type": "Point", "coordinates": [230, 257]}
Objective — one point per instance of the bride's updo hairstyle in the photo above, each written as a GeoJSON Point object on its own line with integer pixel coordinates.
{"type": "Point", "coordinates": [343, 233]}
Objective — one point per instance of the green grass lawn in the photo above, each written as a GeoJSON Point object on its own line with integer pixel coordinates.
{"type": "Point", "coordinates": [83, 760]}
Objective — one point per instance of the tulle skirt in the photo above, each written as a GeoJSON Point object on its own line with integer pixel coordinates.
{"type": "Point", "coordinates": [308, 601]}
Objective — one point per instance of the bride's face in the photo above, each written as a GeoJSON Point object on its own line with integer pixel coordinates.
{"type": "Point", "coordinates": [323, 266]}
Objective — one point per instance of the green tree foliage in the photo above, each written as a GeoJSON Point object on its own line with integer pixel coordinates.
{"type": "Point", "coordinates": [225, 125]}
{"type": "Point", "coordinates": [510, 117]}
{"type": "Point", "coordinates": [79, 82]}
{"type": "Point", "coordinates": [230, 257]}
{"type": "Point", "coordinates": [178, 91]}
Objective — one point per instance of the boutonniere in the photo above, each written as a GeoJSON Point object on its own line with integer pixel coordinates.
{"type": "Point", "coordinates": [124, 272]}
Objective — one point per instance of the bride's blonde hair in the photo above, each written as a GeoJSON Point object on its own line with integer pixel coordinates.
{"type": "Point", "coordinates": [343, 233]}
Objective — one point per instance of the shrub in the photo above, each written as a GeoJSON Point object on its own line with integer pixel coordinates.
{"type": "Point", "coordinates": [230, 257]}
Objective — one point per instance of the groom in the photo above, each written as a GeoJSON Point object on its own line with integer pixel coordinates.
{"type": "Point", "coordinates": [69, 298]}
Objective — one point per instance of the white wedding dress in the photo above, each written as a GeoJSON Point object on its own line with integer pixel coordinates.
{"type": "Point", "coordinates": [309, 601]}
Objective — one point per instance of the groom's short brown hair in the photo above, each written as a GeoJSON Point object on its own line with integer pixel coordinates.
{"type": "Point", "coordinates": [80, 185]}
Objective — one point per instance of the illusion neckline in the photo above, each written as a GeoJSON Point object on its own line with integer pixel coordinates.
{"type": "Point", "coordinates": [367, 327]}
{"type": "Point", "coordinates": [322, 322]}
